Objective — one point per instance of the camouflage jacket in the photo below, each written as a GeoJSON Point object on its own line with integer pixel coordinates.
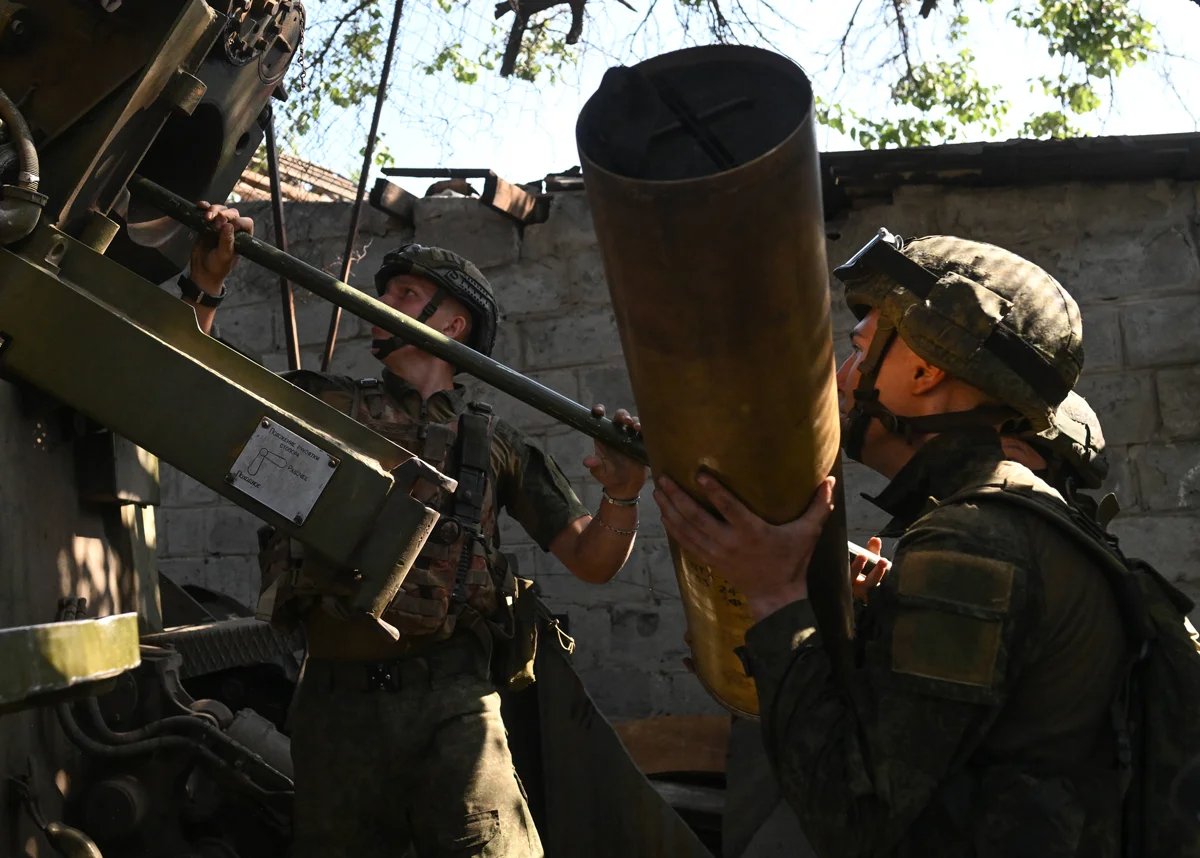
{"type": "Point", "coordinates": [521, 480]}
{"type": "Point", "coordinates": [977, 720]}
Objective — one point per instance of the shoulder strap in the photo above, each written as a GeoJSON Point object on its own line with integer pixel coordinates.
{"type": "Point", "coordinates": [363, 388]}
{"type": "Point", "coordinates": [1088, 535]}
{"type": "Point", "coordinates": [474, 459]}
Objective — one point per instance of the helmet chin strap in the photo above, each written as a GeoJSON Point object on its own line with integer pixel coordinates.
{"type": "Point", "coordinates": [868, 407]}
{"type": "Point", "coordinates": [381, 348]}
{"type": "Point", "coordinates": [866, 394]}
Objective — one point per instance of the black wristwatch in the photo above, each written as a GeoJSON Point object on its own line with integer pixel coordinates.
{"type": "Point", "coordinates": [193, 294]}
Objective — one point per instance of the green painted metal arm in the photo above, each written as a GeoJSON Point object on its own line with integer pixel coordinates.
{"type": "Point", "coordinates": [493, 372]}
{"type": "Point", "coordinates": [125, 353]}
{"type": "Point", "coordinates": [40, 661]}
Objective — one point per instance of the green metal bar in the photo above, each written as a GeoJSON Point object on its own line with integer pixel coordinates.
{"type": "Point", "coordinates": [493, 372]}
{"type": "Point", "coordinates": [39, 661]}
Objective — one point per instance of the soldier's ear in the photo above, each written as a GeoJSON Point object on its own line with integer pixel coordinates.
{"type": "Point", "coordinates": [926, 376]}
{"type": "Point", "coordinates": [457, 327]}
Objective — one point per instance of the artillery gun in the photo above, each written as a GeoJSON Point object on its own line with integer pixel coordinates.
{"type": "Point", "coordinates": [148, 722]}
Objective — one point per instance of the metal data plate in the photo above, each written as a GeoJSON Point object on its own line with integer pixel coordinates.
{"type": "Point", "coordinates": [282, 471]}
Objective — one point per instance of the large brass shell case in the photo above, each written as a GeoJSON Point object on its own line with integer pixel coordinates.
{"type": "Point", "coordinates": [702, 175]}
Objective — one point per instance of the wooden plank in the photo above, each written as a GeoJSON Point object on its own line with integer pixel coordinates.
{"type": "Point", "coordinates": [393, 200]}
{"type": "Point", "coordinates": [514, 201]}
{"type": "Point", "coordinates": [677, 743]}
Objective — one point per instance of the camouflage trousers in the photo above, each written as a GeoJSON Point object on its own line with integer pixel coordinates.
{"type": "Point", "coordinates": [418, 767]}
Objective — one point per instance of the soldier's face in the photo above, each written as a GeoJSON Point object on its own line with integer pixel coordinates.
{"type": "Point", "coordinates": [408, 294]}
{"type": "Point", "coordinates": [894, 381]}
{"type": "Point", "coordinates": [850, 371]}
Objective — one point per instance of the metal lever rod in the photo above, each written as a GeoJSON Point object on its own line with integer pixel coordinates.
{"type": "Point", "coordinates": [492, 372]}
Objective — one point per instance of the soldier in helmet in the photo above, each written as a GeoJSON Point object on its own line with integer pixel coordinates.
{"type": "Point", "coordinates": [399, 744]}
{"type": "Point", "coordinates": [977, 715]}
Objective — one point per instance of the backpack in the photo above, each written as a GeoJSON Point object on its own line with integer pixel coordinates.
{"type": "Point", "coordinates": [1160, 743]}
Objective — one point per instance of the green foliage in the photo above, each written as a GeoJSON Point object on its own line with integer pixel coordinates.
{"type": "Point", "coordinates": [1097, 40]}
{"type": "Point", "coordinates": [451, 59]}
{"type": "Point", "coordinates": [1051, 124]}
{"type": "Point", "coordinates": [944, 100]}
{"type": "Point", "coordinates": [946, 97]}
{"type": "Point", "coordinates": [931, 99]}
{"type": "Point", "coordinates": [544, 54]}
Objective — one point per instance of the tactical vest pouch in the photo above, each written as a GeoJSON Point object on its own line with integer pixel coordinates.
{"type": "Point", "coordinates": [515, 635]}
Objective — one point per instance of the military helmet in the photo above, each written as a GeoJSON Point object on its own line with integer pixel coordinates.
{"type": "Point", "coordinates": [981, 313]}
{"type": "Point", "coordinates": [459, 277]}
{"type": "Point", "coordinates": [1075, 442]}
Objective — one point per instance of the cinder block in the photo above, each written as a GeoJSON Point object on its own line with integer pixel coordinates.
{"type": "Point", "coordinates": [187, 530]}
{"type": "Point", "coordinates": [608, 386]}
{"type": "Point", "coordinates": [1168, 475]}
{"type": "Point", "coordinates": [468, 228]}
{"type": "Point", "coordinates": [585, 274]}
{"type": "Point", "coordinates": [652, 559]}
{"type": "Point", "coordinates": [591, 626]}
{"type": "Point", "coordinates": [1121, 480]}
{"type": "Point", "coordinates": [249, 328]}
{"type": "Point", "coordinates": [1125, 206]}
{"type": "Point", "coordinates": [1171, 543]}
{"type": "Point", "coordinates": [1179, 402]}
{"type": "Point", "coordinates": [1127, 264]}
{"type": "Point", "coordinates": [1126, 404]}
{"type": "Point", "coordinates": [541, 286]}
{"type": "Point", "coordinates": [624, 693]}
{"type": "Point", "coordinates": [1102, 338]}
{"type": "Point", "coordinates": [1161, 332]}
{"type": "Point", "coordinates": [574, 340]}
{"type": "Point", "coordinates": [560, 587]}
{"type": "Point", "coordinates": [312, 324]}
{"type": "Point", "coordinates": [236, 577]}
{"type": "Point", "coordinates": [232, 531]}
{"type": "Point", "coordinates": [567, 230]}
{"type": "Point", "coordinates": [508, 349]}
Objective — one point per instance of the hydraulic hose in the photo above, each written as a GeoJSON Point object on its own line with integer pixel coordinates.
{"type": "Point", "coordinates": [21, 205]}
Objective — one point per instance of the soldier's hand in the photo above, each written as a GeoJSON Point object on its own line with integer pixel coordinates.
{"type": "Point", "coordinates": [864, 580]}
{"type": "Point", "coordinates": [213, 256]}
{"type": "Point", "coordinates": [621, 476]}
{"type": "Point", "coordinates": [768, 563]}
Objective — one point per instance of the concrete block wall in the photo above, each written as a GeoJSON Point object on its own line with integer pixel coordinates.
{"type": "Point", "coordinates": [1127, 251]}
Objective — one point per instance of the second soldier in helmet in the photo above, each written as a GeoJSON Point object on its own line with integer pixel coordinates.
{"type": "Point", "coordinates": [399, 744]}
{"type": "Point", "coordinates": [976, 718]}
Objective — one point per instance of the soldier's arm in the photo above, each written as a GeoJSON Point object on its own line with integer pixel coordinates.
{"type": "Point", "coordinates": [213, 257]}
{"type": "Point", "coordinates": [595, 547]}
{"type": "Point", "coordinates": [859, 763]}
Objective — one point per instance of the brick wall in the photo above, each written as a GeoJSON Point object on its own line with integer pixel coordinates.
{"type": "Point", "coordinates": [1126, 251]}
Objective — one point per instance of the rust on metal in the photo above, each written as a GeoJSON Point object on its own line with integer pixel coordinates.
{"type": "Point", "coordinates": [702, 175]}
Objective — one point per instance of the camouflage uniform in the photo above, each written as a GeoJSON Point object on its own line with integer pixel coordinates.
{"type": "Point", "coordinates": [400, 744]}
{"type": "Point", "coordinates": [981, 712]}
{"type": "Point", "coordinates": [978, 715]}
